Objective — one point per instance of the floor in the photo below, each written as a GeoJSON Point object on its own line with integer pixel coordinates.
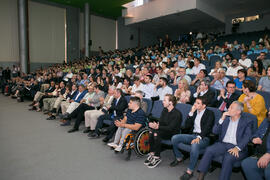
{"type": "Point", "coordinates": [32, 148]}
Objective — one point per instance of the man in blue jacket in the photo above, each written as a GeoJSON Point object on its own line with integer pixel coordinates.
{"type": "Point", "coordinates": [258, 165]}
{"type": "Point", "coordinates": [234, 132]}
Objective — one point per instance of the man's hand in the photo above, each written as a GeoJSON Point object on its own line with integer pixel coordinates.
{"type": "Point", "coordinates": [257, 141]}
{"type": "Point", "coordinates": [119, 123]}
{"type": "Point", "coordinates": [234, 151]}
{"type": "Point", "coordinates": [222, 93]}
{"type": "Point", "coordinates": [264, 161]}
{"type": "Point", "coordinates": [193, 109]}
{"type": "Point", "coordinates": [196, 141]}
{"type": "Point", "coordinates": [224, 115]}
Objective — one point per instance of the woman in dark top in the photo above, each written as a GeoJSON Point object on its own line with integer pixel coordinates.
{"type": "Point", "coordinates": [168, 125]}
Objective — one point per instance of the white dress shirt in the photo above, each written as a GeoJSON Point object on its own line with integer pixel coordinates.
{"type": "Point", "coordinates": [230, 136]}
{"type": "Point", "coordinates": [161, 92]}
{"type": "Point", "coordinates": [201, 93]}
{"type": "Point", "coordinates": [196, 70]}
{"type": "Point", "coordinates": [149, 90]}
{"type": "Point", "coordinates": [197, 122]}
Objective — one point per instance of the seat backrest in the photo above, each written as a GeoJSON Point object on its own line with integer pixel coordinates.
{"type": "Point", "coordinates": [174, 87]}
{"type": "Point", "coordinates": [127, 98]}
{"type": "Point", "coordinates": [217, 113]}
{"type": "Point", "coordinates": [254, 119]}
{"type": "Point", "coordinates": [184, 109]}
{"type": "Point", "coordinates": [157, 109]}
{"type": "Point", "coordinates": [252, 79]}
{"type": "Point", "coordinates": [266, 96]}
{"type": "Point", "coordinates": [192, 76]}
{"type": "Point", "coordinates": [149, 105]}
{"type": "Point", "coordinates": [230, 77]}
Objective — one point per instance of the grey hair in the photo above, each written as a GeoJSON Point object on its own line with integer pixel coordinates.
{"type": "Point", "coordinates": [139, 92]}
{"type": "Point", "coordinates": [240, 106]}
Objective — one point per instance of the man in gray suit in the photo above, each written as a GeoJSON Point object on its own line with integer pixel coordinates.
{"type": "Point", "coordinates": [90, 104]}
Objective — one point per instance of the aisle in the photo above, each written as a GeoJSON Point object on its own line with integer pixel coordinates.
{"type": "Point", "coordinates": [32, 148]}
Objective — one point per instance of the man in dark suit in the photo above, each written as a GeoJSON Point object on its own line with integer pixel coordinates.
{"type": "Point", "coordinates": [258, 165]}
{"type": "Point", "coordinates": [203, 90]}
{"type": "Point", "coordinates": [225, 99]}
{"type": "Point", "coordinates": [115, 112]}
{"type": "Point", "coordinates": [234, 133]}
{"type": "Point", "coordinates": [197, 127]}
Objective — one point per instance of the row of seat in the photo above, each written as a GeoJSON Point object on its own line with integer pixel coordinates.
{"type": "Point", "coordinates": [185, 109]}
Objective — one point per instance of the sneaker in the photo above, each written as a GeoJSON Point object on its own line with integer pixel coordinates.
{"type": "Point", "coordinates": [154, 162]}
{"type": "Point", "coordinates": [118, 148]}
{"type": "Point", "coordinates": [112, 145]}
{"type": "Point", "coordinates": [148, 160]}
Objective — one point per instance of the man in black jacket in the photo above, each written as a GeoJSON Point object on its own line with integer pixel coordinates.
{"type": "Point", "coordinates": [168, 125]}
{"type": "Point", "coordinates": [198, 126]}
{"type": "Point", "coordinates": [204, 90]}
{"type": "Point", "coordinates": [115, 112]}
{"type": "Point", "coordinates": [225, 99]}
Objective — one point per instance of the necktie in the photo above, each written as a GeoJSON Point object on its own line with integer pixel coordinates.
{"type": "Point", "coordinates": [223, 105]}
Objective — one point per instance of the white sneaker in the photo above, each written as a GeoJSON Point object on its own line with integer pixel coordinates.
{"type": "Point", "coordinates": [118, 148]}
{"type": "Point", "coordinates": [112, 145]}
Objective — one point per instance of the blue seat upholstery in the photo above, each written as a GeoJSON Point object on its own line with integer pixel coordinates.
{"type": "Point", "coordinates": [230, 77]}
{"type": "Point", "coordinates": [252, 79]}
{"type": "Point", "coordinates": [236, 54]}
{"type": "Point", "coordinates": [174, 87]}
{"type": "Point", "coordinates": [149, 106]}
{"type": "Point", "coordinates": [192, 76]}
{"type": "Point", "coordinates": [157, 109]}
{"type": "Point", "coordinates": [127, 98]}
{"type": "Point", "coordinates": [266, 96]}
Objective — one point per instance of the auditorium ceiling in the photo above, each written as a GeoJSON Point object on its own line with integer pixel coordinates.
{"type": "Point", "coordinates": [108, 8]}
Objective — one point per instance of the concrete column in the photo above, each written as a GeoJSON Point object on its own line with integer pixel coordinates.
{"type": "Point", "coordinates": [86, 29]}
{"type": "Point", "coordinates": [23, 35]}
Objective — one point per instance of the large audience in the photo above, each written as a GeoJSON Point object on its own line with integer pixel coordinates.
{"type": "Point", "coordinates": [93, 91]}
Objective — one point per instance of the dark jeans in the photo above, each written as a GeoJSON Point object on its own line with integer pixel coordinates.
{"type": "Point", "coordinates": [220, 149]}
{"type": "Point", "coordinates": [251, 170]}
{"type": "Point", "coordinates": [155, 137]}
{"type": "Point", "coordinates": [78, 113]}
{"type": "Point", "coordinates": [195, 148]}
{"type": "Point", "coordinates": [112, 129]}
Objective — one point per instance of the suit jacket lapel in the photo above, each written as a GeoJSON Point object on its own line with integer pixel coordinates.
{"type": "Point", "coordinates": [225, 127]}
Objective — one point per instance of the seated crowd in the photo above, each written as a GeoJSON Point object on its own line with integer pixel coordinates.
{"type": "Point", "coordinates": [95, 91]}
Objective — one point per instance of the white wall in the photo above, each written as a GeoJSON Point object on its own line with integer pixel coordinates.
{"type": "Point", "coordinates": [46, 33]}
{"type": "Point", "coordinates": [9, 49]}
{"type": "Point", "coordinates": [157, 8]}
{"type": "Point", "coordinates": [249, 26]}
{"type": "Point", "coordinates": [102, 32]}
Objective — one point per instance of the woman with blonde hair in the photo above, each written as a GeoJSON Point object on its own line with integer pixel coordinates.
{"type": "Point", "coordinates": [182, 94]}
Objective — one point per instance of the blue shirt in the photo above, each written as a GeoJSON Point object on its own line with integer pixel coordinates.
{"type": "Point", "coordinates": [239, 83]}
{"type": "Point", "coordinates": [136, 117]}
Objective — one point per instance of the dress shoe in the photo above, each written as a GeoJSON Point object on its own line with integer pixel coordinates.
{"type": "Point", "coordinates": [32, 109]}
{"type": "Point", "coordinates": [46, 112]}
{"type": "Point", "coordinates": [32, 103]}
{"type": "Point", "coordinates": [186, 176]}
{"type": "Point", "coordinates": [175, 162]}
{"type": "Point", "coordinates": [93, 135]}
{"type": "Point", "coordinates": [87, 130]}
{"type": "Point", "coordinates": [73, 130]}
{"type": "Point", "coordinates": [105, 140]}
{"type": "Point", "coordinates": [51, 118]}
{"type": "Point", "coordinates": [66, 123]}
